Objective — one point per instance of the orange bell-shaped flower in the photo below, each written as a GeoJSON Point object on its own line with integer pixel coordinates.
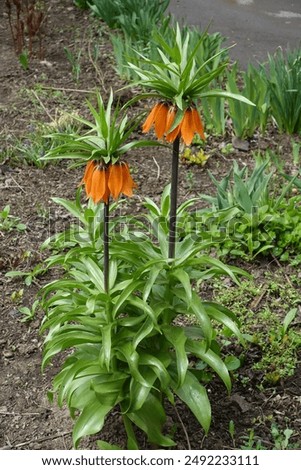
{"type": "Point", "coordinates": [162, 116]}
{"type": "Point", "coordinates": [102, 181]}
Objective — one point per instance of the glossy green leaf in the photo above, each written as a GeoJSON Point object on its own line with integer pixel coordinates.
{"type": "Point", "coordinates": [139, 392]}
{"type": "Point", "coordinates": [131, 321]}
{"type": "Point", "coordinates": [95, 273]}
{"type": "Point", "coordinates": [156, 364]}
{"type": "Point", "coordinates": [113, 271]}
{"type": "Point", "coordinates": [132, 443]}
{"type": "Point", "coordinates": [144, 307]}
{"type": "Point", "coordinates": [71, 207]}
{"type": "Point", "coordinates": [184, 279]}
{"type": "Point", "coordinates": [200, 312]}
{"type": "Point", "coordinates": [210, 261]}
{"type": "Point", "coordinates": [143, 332]}
{"type": "Point", "coordinates": [121, 286]}
{"type": "Point", "coordinates": [105, 356]}
{"type": "Point", "coordinates": [90, 421]}
{"type": "Point", "coordinates": [71, 373]}
{"type": "Point", "coordinates": [195, 396]}
{"type": "Point", "coordinates": [150, 418]}
{"type": "Point", "coordinates": [63, 284]}
{"type": "Point", "coordinates": [103, 445]}
{"type": "Point", "coordinates": [108, 391]}
{"type": "Point", "coordinates": [176, 337]}
{"type": "Point", "coordinates": [59, 316]}
{"type": "Point", "coordinates": [224, 316]}
{"type": "Point", "coordinates": [153, 274]}
{"type": "Point", "coordinates": [132, 359]}
{"type": "Point", "coordinates": [123, 297]}
{"type": "Point", "coordinates": [165, 201]}
{"type": "Point", "coordinates": [226, 94]}
{"type": "Point", "coordinates": [70, 337]}
{"type": "Point", "coordinates": [199, 349]}
{"type": "Point", "coordinates": [152, 206]}
{"type": "Point", "coordinates": [193, 332]}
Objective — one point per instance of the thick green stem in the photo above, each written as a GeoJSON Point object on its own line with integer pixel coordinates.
{"type": "Point", "coordinates": [106, 245]}
{"type": "Point", "coordinates": [173, 198]}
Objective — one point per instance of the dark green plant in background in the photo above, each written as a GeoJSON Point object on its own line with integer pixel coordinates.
{"type": "Point", "coordinates": [137, 18]}
{"type": "Point", "coordinates": [253, 85]}
{"type": "Point", "coordinates": [249, 217]}
{"type": "Point", "coordinates": [246, 191]}
{"type": "Point", "coordinates": [275, 88]}
{"type": "Point", "coordinates": [284, 85]}
{"type": "Point", "coordinates": [84, 4]}
{"type": "Point", "coordinates": [107, 10]}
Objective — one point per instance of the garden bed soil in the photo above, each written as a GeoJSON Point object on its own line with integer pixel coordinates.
{"type": "Point", "coordinates": [40, 94]}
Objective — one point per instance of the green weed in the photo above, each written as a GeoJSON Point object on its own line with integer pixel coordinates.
{"type": "Point", "coordinates": [270, 325]}
{"type": "Point", "coordinates": [74, 59]}
{"type": "Point", "coordinates": [29, 313]}
{"type": "Point", "coordinates": [280, 438]}
{"type": "Point", "coordinates": [30, 148]}
{"type": "Point", "coordinates": [10, 222]}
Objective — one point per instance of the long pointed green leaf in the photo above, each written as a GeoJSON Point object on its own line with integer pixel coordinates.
{"type": "Point", "coordinates": [226, 94]}
{"type": "Point", "coordinates": [195, 396]}
{"type": "Point", "coordinates": [132, 443]}
{"type": "Point", "coordinates": [157, 366]}
{"type": "Point", "coordinates": [123, 297]}
{"type": "Point", "coordinates": [90, 421]}
{"type": "Point", "coordinates": [95, 273]}
{"type": "Point", "coordinates": [132, 359]}
{"type": "Point", "coordinates": [139, 392]}
{"type": "Point", "coordinates": [106, 332]}
{"type": "Point", "coordinates": [144, 307]}
{"type": "Point", "coordinates": [153, 275]}
{"type": "Point", "coordinates": [224, 316]}
{"type": "Point", "coordinates": [71, 207]}
{"type": "Point", "coordinates": [150, 418]}
{"type": "Point", "coordinates": [198, 309]}
{"type": "Point", "coordinates": [176, 336]}
{"type": "Point", "coordinates": [213, 360]}
{"type": "Point", "coordinates": [184, 279]}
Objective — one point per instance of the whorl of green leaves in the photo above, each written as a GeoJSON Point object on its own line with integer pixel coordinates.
{"type": "Point", "coordinates": [107, 139]}
{"type": "Point", "coordinates": [177, 77]}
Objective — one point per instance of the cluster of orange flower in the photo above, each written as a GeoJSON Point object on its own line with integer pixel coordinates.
{"type": "Point", "coordinates": [102, 181]}
{"type": "Point", "coordinates": [163, 115]}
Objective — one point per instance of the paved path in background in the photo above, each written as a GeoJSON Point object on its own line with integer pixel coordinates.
{"type": "Point", "coordinates": [255, 26]}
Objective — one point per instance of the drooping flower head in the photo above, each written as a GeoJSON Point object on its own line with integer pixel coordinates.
{"type": "Point", "coordinates": [102, 181]}
{"type": "Point", "coordinates": [103, 148]}
{"type": "Point", "coordinates": [162, 116]}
